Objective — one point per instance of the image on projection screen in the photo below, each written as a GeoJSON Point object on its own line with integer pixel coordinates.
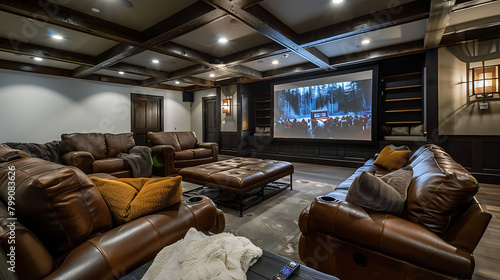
{"type": "Point", "coordinates": [335, 107]}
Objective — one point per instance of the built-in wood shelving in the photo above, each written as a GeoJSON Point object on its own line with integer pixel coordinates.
{"type": "Point", "coordinates": [403, 111]}
{"type": "Point", "coordinates": [403, 87]}
{"type": "Point", "coordinates": [402, 75]}
{"type": "Point", "coordinates": [403, 99]}
{"type": "Point", "coordinates": [406, 122]}
{"type": "Point", "coordinates": [263, 111]}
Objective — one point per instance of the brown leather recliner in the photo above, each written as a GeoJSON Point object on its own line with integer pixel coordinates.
{"type": "Point", "coordinates": [64, 229]}
{"type": "Point", "coordinates": [97, 152]}
{"type": "Point", "coordinates": [433, 239]}
{"type": "Point", "coordinates": [174, 150]}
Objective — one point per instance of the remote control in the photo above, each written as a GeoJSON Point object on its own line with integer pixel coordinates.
{"type": "Point", "coordinates": [287, 271]}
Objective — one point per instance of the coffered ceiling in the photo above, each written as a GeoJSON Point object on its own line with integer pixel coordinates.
{"type": "Point", "coordinates": [176, 44]}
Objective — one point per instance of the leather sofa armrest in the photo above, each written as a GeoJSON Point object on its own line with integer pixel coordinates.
{"type": "Point", "coordinates": [163, 160]}
{"type": "Point", "coordinates": [80, 159]}
{"type": "Point", "coordinates": [386, 234]}
{"type": "Point", "coordinates": [214, 219]}
{"type": "Point", "coordinates": [213, 146]}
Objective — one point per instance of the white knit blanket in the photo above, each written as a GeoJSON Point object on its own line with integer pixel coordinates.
{"type": "Point", "coordinates": [198, 256]}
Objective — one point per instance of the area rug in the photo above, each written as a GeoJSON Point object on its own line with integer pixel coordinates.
{"type": "Point", "coordinates": [273, 224]}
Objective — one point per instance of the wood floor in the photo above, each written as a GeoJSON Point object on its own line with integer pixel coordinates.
{"type": "Point", "coordinates": [487, 253]}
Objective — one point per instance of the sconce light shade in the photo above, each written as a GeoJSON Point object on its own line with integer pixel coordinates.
{"type": "Point", "coordinates": [484, 83]}
{"type": "Point", "coordinates": [226, 106]}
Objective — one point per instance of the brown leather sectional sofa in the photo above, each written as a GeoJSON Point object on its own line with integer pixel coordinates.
{"type": "Point", "coordinates": [433, 239]}
{"type": "Point", "coordinates": [64, 229]}
{"type": "Point", "coordinates": [173, 151]}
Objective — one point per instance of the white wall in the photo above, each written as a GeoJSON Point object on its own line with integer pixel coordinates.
{"type": "Point", "coordinates": [39, 108]}
{"type": "Point", "coordinates": [197, 111]}
{"type": "Point", "coordinates": [456, 116]}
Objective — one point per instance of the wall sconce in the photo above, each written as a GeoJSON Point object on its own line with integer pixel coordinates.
{"type": "Point", "coordinates": [484, 83]}
{"type": "Point", "coordinates": [226, 106]}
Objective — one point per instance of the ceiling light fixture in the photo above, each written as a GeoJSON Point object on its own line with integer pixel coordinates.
{"type": "Point", "coordinates": [155, 61]}
{"type": "Point", "coordinates": [212, 75]}
{"type": "Point", "coordinates": [121, 73]}
{"type": "Point", "coordinates": [38, 58]}
{"type": "Point", "coordinates": [365, 42]}
{"type": "Point", "coordinates": [337, 1]}
{"type": "Point", "coordinates": [223, 40]}
{"type": "Point", "coordinates": [57, 37]}
{"type": "Point", "coordinates": [275, 62]}
{"type": "Point", "coordinates": [177, 82]}
{"type": "Point", "coordinates": [96, 10]}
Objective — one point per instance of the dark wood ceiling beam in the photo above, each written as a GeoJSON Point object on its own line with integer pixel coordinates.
{"type": "Point", "coordinates": [245, 4]}
{"type": "Point", "coordinates": [139, 70]}
{"type": "Point", "coordinates": [486, 33]}
{"type": "Point", "coordinates": [259, 19]}
{"type": "Point", "coordinates": [183, 52]}
{"type": "Point", "coordinates": [45, 52]}
{"type": "Point", "coordinates": [244, 71]}
{"type": "Point", "coordinates": [465, 4]}
{"type": "Point", "coordinates": [197, 81]}
{"type": "Point", "coordinates": [181, 73]}
{"type": "Point", "coordinates": [25, 67]}
{"type": "Point", "coordinates": [473, 24]}
{"type": "Point", "coordinates": [189, 19]}
{"type": "Point", "coordinates": [355, 58]}
{"type": "Point", "coordinates": [107, 59]}
{"type": "Point", "coordinates": [393, 16]}
{"type": "Point", "coordinates": [255, 53]}
{"type": "Point", "coordinates": [439, 16]}
{"type": "Point", "coordinates": [45, 11]}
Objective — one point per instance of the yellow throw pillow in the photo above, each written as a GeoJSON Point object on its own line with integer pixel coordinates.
{"type": "Point", "coordinates": [130, 198]}
{"type": "Point", "coordinates": [391, 159]}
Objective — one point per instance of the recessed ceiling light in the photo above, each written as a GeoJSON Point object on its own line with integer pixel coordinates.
{"type": "Point", "coordinates": [337, 1]}
{"type": "Point", "coordinates": [155, 61]}
{"type": "Point", "coordinates": [57, 37]}
{"type": "Point", "coordinates": [212, 75]}
{"type": "Point", "coordinates": [275, 62]}
{"type": "Point", "coordinates": [222, 40]}
{"type": "Point", "coordinates": [38, 58]}
{"type": "Point", "coordinates": [177, 82]}
{"type": "Point", "coordinates": [365, 42]}
{"type": "Point", "coordinates": [121, 73]}
{"type": "Point", "coordinates": [96, 10]}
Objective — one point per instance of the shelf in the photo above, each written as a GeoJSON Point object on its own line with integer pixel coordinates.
{"type": "Point", "coordinates": [265, 125]}
{"type": "Point", "coordinates": [403, 99]}
{"type": "Point", "coordinates": [403, 87]}
{"type": "Point", "coordinates": [402, 75]}
{"type": "Point", "coordinates": [403, 122]}
{"type": "Point", "coordinates": [402, 111]}
{"type": "Point", "coordinates": [265, 109]}
{"type": "Point", "coordinates": [262, 101]}
{"type": "Point", "coordinates": [266, 117]}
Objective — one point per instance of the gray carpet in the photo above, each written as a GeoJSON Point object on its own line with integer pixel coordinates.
{"type": "Point", "coordinates": [273, 224]}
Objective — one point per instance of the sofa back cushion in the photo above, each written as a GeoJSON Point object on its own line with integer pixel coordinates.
{"type": "Point", "coordinates": [7, 153]}
{"type": "Point", "coordinates": [164, 138]}
{"type": "Point", "coordinates": [94, 143]}
{"type": "Point", "coordinates": [119, 143]}
{"type": "Point", "coordinates": [58, 203]}
{"type": "Point", "coordinates": [187, 139]}
{"type": "Point", "coordinates": [441, 189]}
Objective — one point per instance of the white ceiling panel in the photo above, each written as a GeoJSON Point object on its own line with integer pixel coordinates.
{"type": "Point", "coordinates": [475, 13]}
{"type": "Point", "coordinates": [239, 36]}
{"type": "Point", "coordinates": [144, 14]}
{"type": "Point", "coordinates": [218, 75]}
{"type": "Point", "coordinates": [29, 59]}
{"type": "Point", "coordinates": [284, 60]}
{"type": "Point", "coordinates": [180, 84]}
{"type": "Point", "coordinates": [303, 16]}
{"type": "Point", "coordinates": [24, 30]}
{"type": "Point", "coordinates": [126, 75]}
{"type": "Point", "coordinates": [167, 63]}
{"type": "Point", "coordinates": [380, 38]}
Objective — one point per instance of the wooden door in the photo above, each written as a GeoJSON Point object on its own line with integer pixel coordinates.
{"type": "Point", "coordinates": [147, 115]}
{"type": "Point", "coordinates": [210, 120]}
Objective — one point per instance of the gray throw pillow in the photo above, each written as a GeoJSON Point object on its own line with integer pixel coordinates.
{"type": "Point", "coordinates": [417, 130]}
{"type": "Point", "coordinates": [400, 131]}
{"type": "Point", "coordinates": [385, 194]}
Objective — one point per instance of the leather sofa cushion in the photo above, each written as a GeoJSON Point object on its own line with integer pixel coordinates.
{"type": "Point", "coordinates": [108, 165]}
{"type": "Point", "coordinates": [202, 153]}
{"type": "Point", "coordinates": [130, 198]}
{"type": "Point", "coordinates": [187, 139]}
{"type": "Point", "coordinates": [119, 143]}
{"type": "Point", "coordinates": [440, 190]}
{"type": "Point", "coordinates": [94, 143]}
{"type": "Point", "coordinates": [59, 204]}
{"type": "Point", "coordinates": [164, 138]}
{"type": "Point", "coordinates": [184, 154]}
{"type": "Point", "coordinates": [8, 154]}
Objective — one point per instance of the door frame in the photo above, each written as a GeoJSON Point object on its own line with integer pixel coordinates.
{"type": "Point", "coordinates": [217, 117]}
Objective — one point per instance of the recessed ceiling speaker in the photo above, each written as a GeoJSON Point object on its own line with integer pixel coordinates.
{"type": "Point", "coordinates": [187, 96]}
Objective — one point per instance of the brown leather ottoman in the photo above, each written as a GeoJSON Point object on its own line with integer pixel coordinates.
{"type": "Point", "coordinates": [239, 176]}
